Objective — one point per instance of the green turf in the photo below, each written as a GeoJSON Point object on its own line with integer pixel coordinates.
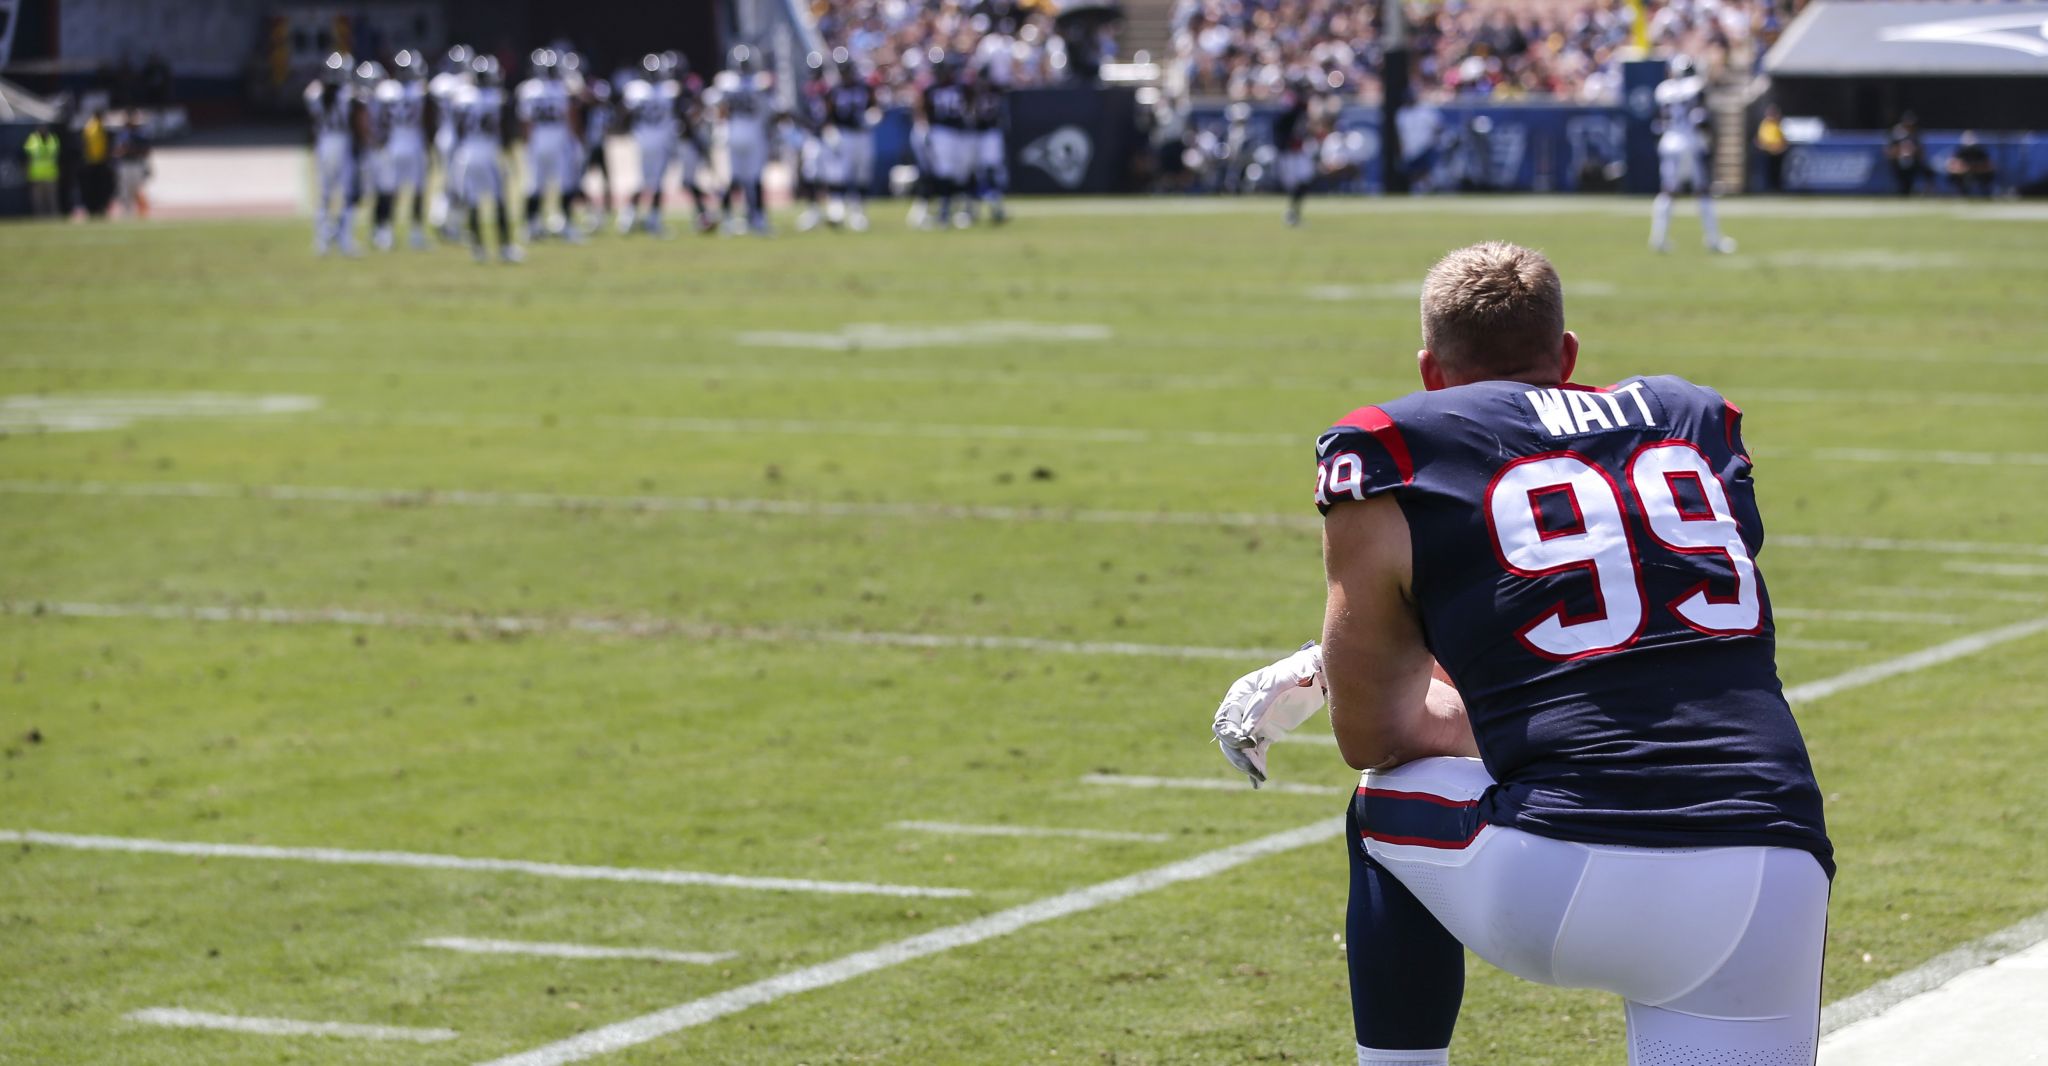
{"type": "Point", "coordinates": [618, 370]}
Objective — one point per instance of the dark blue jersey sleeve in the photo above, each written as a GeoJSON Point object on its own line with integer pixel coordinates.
{"type": "Point", "coordinates": [1362, 455]}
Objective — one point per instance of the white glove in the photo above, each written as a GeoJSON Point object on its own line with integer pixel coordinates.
{"type": "Point", "coordinates": [1266, 704]}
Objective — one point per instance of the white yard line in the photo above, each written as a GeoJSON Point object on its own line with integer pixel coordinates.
{"type": "Point", "coordinates": [192, 1019]}
{"type": "Point", "coordinates": [1801, 644]}
{"type": "Point", "coordinates": [418, 860]}
{"type": "Point", "coordinates": [571, 951]}
{"type": "Point", "coordinates": [626, 627]}
{"type": "Point", "coordinates": [644, 504]}
{"type": "Point", "coordinates": [1915, 661]}
{"type": "Point", "coordinates": [836, 427]}
{"type": "Point", "coordinates": [1943, 457]}
{"type": "Point", "coordinates": [1999, 569]}
{"type": "Point", "coordinates": [1958, 592]}
{"type": "Point", "coordinates": [1899, 397]}
{"type": "Point", "coordinates": [1210, 784]}
{"type": "Point", "coordinates": [960, 829]}
{"type": "Point", "coordinates": [649, 1027]}
{"type": "Point", "coordinates": [488, 498]}
{"type": "Point", "coordinates": [1894, 544]}
{"type": "Point", "coordinates": [1910, 618]}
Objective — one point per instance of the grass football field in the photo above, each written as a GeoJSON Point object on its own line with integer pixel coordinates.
{"type": "Point", "coordinates": [735, 556]}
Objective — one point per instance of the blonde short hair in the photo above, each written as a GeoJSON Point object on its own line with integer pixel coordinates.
{"type": "Point", "coordinates": [1493, 308]}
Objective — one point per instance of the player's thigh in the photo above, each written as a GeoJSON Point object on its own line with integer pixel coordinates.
{"type": "Point", "coordinates": [1671, 172]}
{"type": "Point", "coordinates": [747, 157]}
{"type": "Point", "coordinates": [860, 157]}
{"type": "Point", "coordinates": [482, 178]}
{"type": "Point", "coordinates": [1502, 892]}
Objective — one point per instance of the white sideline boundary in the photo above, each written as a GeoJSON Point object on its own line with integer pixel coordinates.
{"type": "Point", "coordinates": [1998, 569]}
{"type": "Point", "coordinates": [1915, 661]}
{"type": "Point", "coordinates": [1210, 784]}
{"type": "Point", "coordinates": [487, 498]}
{"type": "Point", "coordinates": [635, 1031]}
{"type": "Point", "coordinates": [960, 829]}
{"type": "Point", "coordinates": [1894, 544]}
{"type": "Point", "coordinates": [1826, 614]}
{"type": "Point", "coordinates": [423, 861]}
{"type": "Point", "coordinates": [179, 1018]}
{"type": "Point", "coordinates": [625, 627]}
{"type": "Point", "coordinates": [1874, 1001]}
{"type": "Point", "coordinates": [571, 951]}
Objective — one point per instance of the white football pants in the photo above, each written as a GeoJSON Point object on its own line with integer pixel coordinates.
{"type": "Point", "coordinates": [1717, 951]}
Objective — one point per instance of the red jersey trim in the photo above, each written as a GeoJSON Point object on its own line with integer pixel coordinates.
{"type": "Point", "coordinates": [1375, 421]}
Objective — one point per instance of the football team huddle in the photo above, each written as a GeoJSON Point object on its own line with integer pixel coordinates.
{"type": "Point", "coordinates": [436, 137]}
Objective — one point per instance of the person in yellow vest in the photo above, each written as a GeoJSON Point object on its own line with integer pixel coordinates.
{"type": "Point", "coordinates": [41, 150]}
{"type": "Point", "coordinates": [96, 179]}
{"type": "Point", "coordinates": [1770, 144]}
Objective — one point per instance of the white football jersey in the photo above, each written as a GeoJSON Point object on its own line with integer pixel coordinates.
{"type": "Point", "coordinates": [651, 106]}
{"type": "Point", "coordinates": [544, 101]}
{"type": "Point", "coordinates": [332, 117]}
{"type": "Point", "coordinates": [398, 113]}
{"type": "Point", "coordinates": [479, 114]}
{"type": "Point", "coordinates": [747, 105]}
{"type": "Point", "coordinates": [1681, 107]}
{"type": "Point", "coordinates": [443, 89]}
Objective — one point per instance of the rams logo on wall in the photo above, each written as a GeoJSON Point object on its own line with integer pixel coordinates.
{"type": "Point", "coordinates": [1064, 154]}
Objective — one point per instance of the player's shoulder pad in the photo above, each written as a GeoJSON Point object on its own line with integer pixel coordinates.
{"type": "Point", "coordinates": [1718, 418]}
{"type": "Point", "coordinates": [1363, 454]}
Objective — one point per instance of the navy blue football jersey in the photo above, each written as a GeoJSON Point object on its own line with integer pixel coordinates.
{"type": "Point", "coordinates": [1585, 571]}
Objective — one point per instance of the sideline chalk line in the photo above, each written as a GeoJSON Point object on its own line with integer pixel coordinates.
{"type": "Point", "coordinates": [642, 627]}
{"type": "Point", "coordinates": [179, 1018]}
{"type": "Point", "coordinates": [551, 950]}
{"type": "Point", "coordinates": [419, 860]}
{"type": "Point", "coordinates": [842, 509]}
{"type": "Point", "coordinates": [635, 1031]}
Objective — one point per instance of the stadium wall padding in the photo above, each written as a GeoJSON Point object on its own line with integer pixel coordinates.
{"type": "Point", "coordinates": [1457, 147]}
{"type": "Point", "coordinates": [1854, 163]}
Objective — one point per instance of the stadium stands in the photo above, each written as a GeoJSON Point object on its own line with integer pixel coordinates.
{"type": "Point", "coordinates": [1247, 49]}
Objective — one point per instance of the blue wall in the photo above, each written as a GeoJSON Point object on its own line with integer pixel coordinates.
{"type": "Point", "coordinates": [1855, 163]}
{"type": "Point", "coordinates": [1503, 147]}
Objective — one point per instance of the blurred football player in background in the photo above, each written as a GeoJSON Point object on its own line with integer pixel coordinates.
{"type": "Point", "coordinates": [398, 121]}
{"type": "Point", "coordinates": [744, 105]}
{"type": "Point", "coordinates": [1295, 141]}
{"type": "Point", "coordinates": [650, 101]}
{"type": "Point", "coordinates": [947, 109]}
{"type": "Point", "coordinates": [442, 88]}
{"type": "Point", "coordinates": [990, 174]}
{"type": "Point", "coordinates": [554, 158]}
{"type": "Point", "coordinates": [599, 117]}
{"type": "Point", "coordinates": [1681, 155]}
{"type": "Point", "coordinates": [850, 144]}
{"type": "Point", "coordinates": [481, 140]}
{"type": "Point", "coordinates": [807, 127]}
{"type": "Point", "coordinates": [340, 131]}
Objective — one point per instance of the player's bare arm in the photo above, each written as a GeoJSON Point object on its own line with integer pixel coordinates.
{"type": "Point", "coordinates": [1386, 708]}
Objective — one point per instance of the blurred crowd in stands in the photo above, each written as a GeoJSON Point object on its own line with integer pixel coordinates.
{"type": "Point", "coordinates": [1251, 49]}
{"type": "Point", "coordinates": [1566, 49]}
{"type": "Point", "coordinates": [899, 39]}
